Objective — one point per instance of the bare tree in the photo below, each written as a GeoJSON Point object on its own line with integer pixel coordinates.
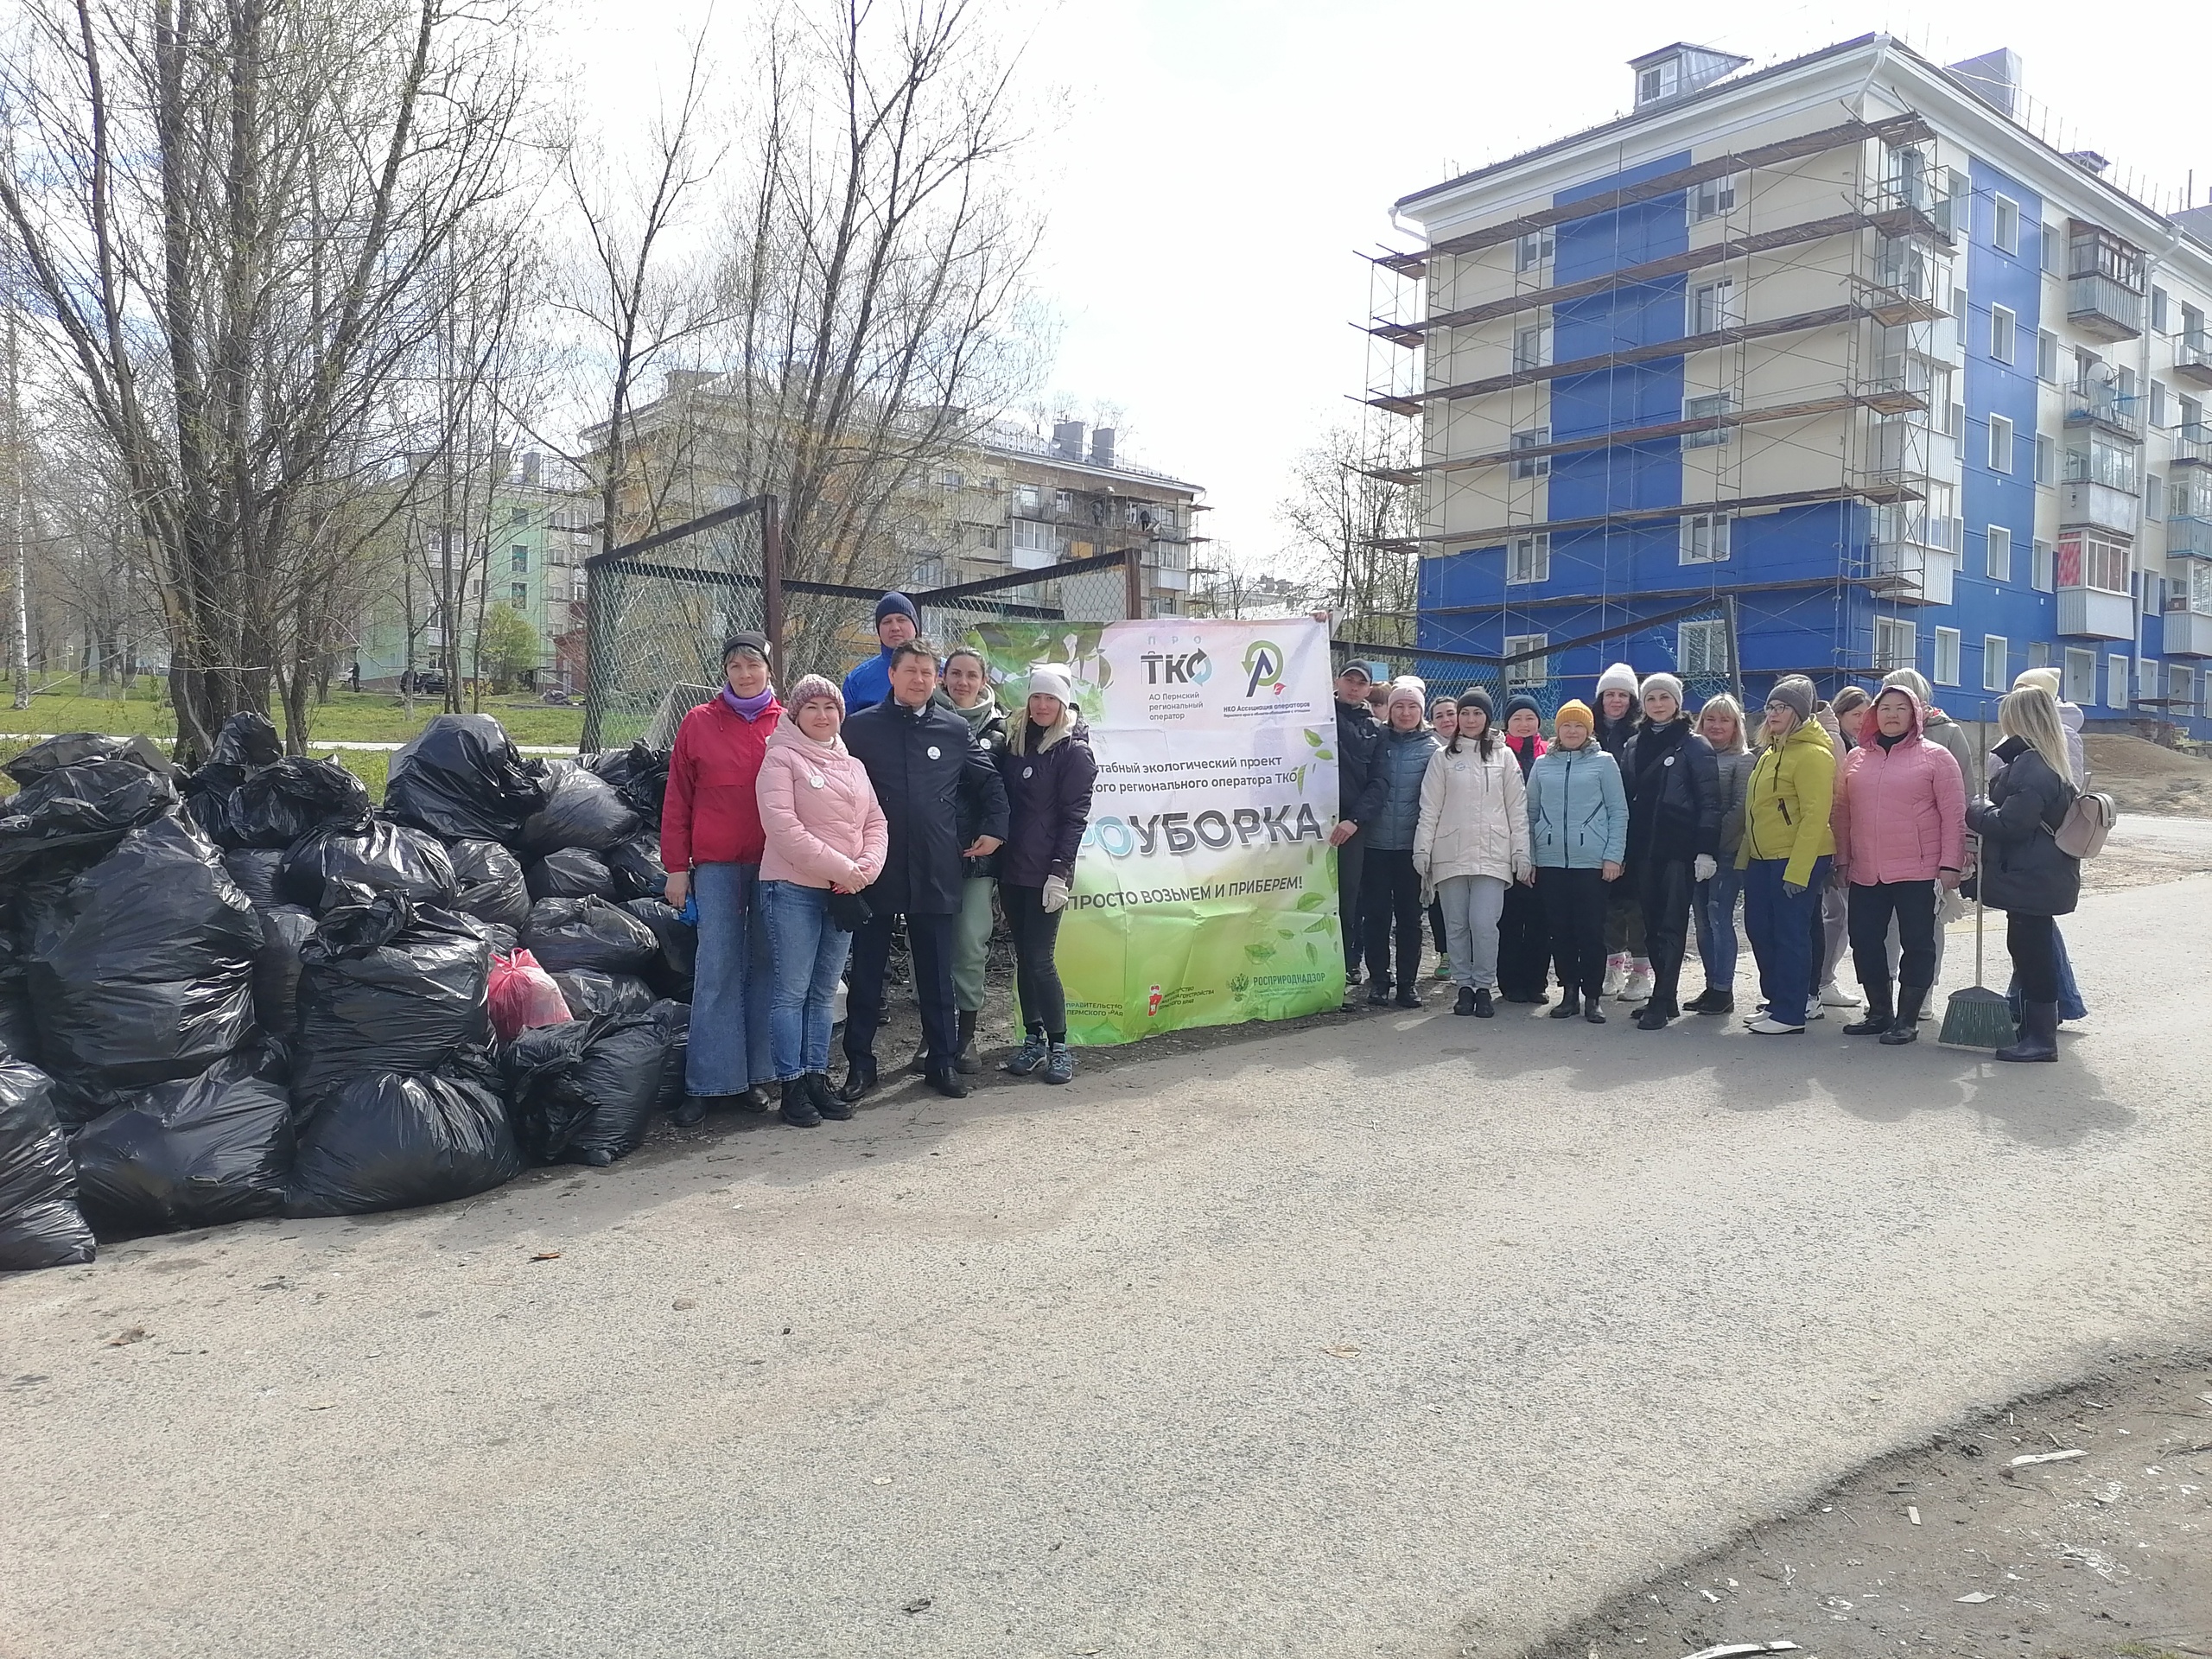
{"type": "Point", "coordinates": [1349, 527]}
{"type": "Point", "coordinates": [234, 219]}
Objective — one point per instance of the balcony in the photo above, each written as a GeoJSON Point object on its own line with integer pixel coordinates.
{"type": "Point", "coordinates": [1171, 580]}
{"type": "Point", "coordinates": [2092, 613]}
{"type": "Point", "coordinates": [1923, 192]}
{"type": "Point", "coordinates": [2193, 444]}
{"type": "Point", "coordinates": [1915, 575]}
{"type": "Point", "coordinates": [2188, 535]}
{"type": "Point", "coordinates": [2193, 358]}
{"type": "Point", "coordinates": [2101, 406]}
{"type": "Point", "coordinates": [2085, 504]}
{"type": "Point", "coordinates": [2189, 633]}
{"type": "Point", "coordinates": [2102, 309]}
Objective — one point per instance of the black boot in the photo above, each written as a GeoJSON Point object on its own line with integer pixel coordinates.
{"type": "Point", "coordinates": [1570, 1004]}
{"type": "Point", "coordinates": [2038, 1033]}
{"type": "Point", "coordinates": [965, 1061]}
{"type": "Point", "coordinates": [799, 1108]}
{"type": "Point", "coordinates": [1905, 1028]}
{"type": "Point", "coordinates": [1466, 1002]}
{"type": "Point", "coordinates": [859, 1080]}
{"type": "Point", "coordinates": [825, 1098]}
{"type": "Point", "coordinates": [1378, 993]}
{"type": "Point", "coordinates": [1483, 1010]}
{"type": "Point", "coordinates": [754, 1099]}
{"type": "Point", "coordinates": [691, 1111]}
{"type": "Point", "coordinates": [947, 1083]}
{"type": "Point", "coordinates": [1877, 1018]}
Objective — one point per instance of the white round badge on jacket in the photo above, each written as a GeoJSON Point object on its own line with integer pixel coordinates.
{"type": "Point", "coordinates": [1668, 761]}
{"type": "Point", "coordinates": [814, 780]}
{"type": "Point", "coordinates": [1029, 772]}
{"type": "Point", "coordinates": [934, 752]}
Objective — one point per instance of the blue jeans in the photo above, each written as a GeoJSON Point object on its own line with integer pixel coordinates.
{"type": "Point", "coordinates": [2070, 1006]}
{"type": "Point", "coordinates": [1780, 926]}
{"type": "Point", "coordinates": [809, 954]}
{"type": "Point", "coordinates": [730, 1049]}
{"type": "Point", "coordinates": [1712, 907]}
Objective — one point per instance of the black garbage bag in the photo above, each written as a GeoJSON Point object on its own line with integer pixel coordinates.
{"type": "Point", "coordinates": [285, 930]}
{"type": "Point", "coordinates": [565, 933]}
{"type": "Point", "coordinates": [581, 810]}
{"type": "Point", "coordinates": [382, 1140]}
{"type": "Point", "coordinates": [388, 986]}
{"type": "Point", "coordinates": [672, 970]}
{"type": "Point", "coordinates": [281, 802]}
{"type": "Point", "coordinates": [40, 1224]}
{"type": "Point", "coordinates": [334, 865]}
{"type": "Point", "coordinates": [462, 778]}
{"type": "Point", "coordinates": [572, 872]}
{"type": "Point", "coordinates": [83, 807]}
{"type": "Point", "coordinates": [141, 966]}
{"type": "Point", "coordinates": [639, 775]}
{"type": "Point", "coordinates": [246, 742]}
{"type": "Point", "coordinates": [674, 1019]}
{"type": "Point", "coordinates": [75, 748]}
{"type": "Point", "coordinates": [194, 1153]}
{"type": "Point", "coordinates": [588, 992]}
{"type": "Point", "coordinates": [501, 938]}
{"type": "Point", "coordinates": [257, 870]}
{"type": "Point", "coordinates": [586, 1091]}
{"type": "Point", "coordinates": [18, 1026]}
{"type": "Point", "coordinates": [489, 883]}
{"type": "Point", "coordinates": [634, 867]}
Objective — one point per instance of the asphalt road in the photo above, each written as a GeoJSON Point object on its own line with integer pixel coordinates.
{"type": "Point", "coordinates": [1408, 1335]}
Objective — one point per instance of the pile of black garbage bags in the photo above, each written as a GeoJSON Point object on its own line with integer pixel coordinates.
{"type": "Point", "coordinates": [245, 992]}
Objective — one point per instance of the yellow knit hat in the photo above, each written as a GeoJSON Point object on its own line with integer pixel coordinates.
{"type": "Point", "coordinates": [1574, 709]}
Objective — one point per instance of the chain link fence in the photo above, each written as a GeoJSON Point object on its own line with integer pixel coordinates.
{"type": "Point", "coordinates": [658, 609]}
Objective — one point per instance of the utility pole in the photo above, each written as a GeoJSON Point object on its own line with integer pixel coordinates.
{"type": "Point", "coordinates": [19, 635]}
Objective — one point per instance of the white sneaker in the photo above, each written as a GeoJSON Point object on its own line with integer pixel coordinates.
{"type": "Point", "coordinates": [1616, 974]}
{"type": "Point", "coordinates": [1833, 995]}
{"type": "Point", "coordinates": [1638, 987]}
{"type": "Point", "coordinates": [1767, 1025]}
{"type": "Point", "coordinates": [1815, 1011]}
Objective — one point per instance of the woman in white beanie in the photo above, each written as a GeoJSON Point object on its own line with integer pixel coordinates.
{"type": "Point", "coordinates": [1048, 771]}
{"type": "Point", "coordinates": [1628, 971]}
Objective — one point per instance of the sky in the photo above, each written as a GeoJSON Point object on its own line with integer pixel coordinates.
{"type": "Point", "coordinates": [1211, 169]}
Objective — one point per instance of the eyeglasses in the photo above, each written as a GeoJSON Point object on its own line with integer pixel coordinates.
{"type": "Point", "coordinates": [1780, 708]}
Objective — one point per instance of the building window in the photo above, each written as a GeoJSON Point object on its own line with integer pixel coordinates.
{"type": "Point", "coordinates": [581, 588]}
{"type": "Point", "coordinates": [2038, 653]}
{"type": "Point", "coordinates": [2158, 310]}
{"type": "Point", "coordinates": [1714, 198]}
{"type": "Point", "coordinates": [2146, 678]}
{"type": "Point", "coordinates": [2116, 682]}
{"type": "Point", "coordinates": [2087, 559]}
{"type": "Point", "coordinates": [2000, 333]}
{"type": "Point", "coordinates": [950, 479]}
{"type": "Point", "coordinates": [1946, 657]}
{"type": "Point", "coordinates": [1704, 538]}
{"type": "Point", "coordinates": [1895, 644]}
{"type": "Point", "coordinates": [1713, 307]}
{"type": "Point", "coordinates": [2046, 458]}
{"type": "Point", "coordinates": [2154, 496]}
{"type": "Point", "coordinates": [1701, 648]}
{"type": "Point", "coordinates": [518, 558]}
{"type": "Point", "coordinates": [1529, 559]}
{"type": "Point", "coordinates": [1532, 346]}
{"type": "Point", "coordinates": [1028, 499]}
{"type": "Point", "coordinates": [2081, 675]}
{"type": "Point", "coordinates": [2005, 231]}
{"type": "Point", "coordinates": [2042, 577]}
{"type": "Point", "coordinates": [1999, 563]}
{"type": "Point", "coordinates": [518, 515]}
{"type": "Point", "coordinates": [1064, 501]}
{"type": "Point", "coordinates": [1705, 409]}
{"type": "Point", "coordinates": [1659, 80]}
{"type": "Point", "coordinates": [519, 593]}
{"type": "Point", "coordinates": [1954, 418]}
{"type": "Point", "coordinates": [2000, 444]}
{"type": "Point", "coordinates": [2047, 244]}
{"type": "Point", "coordinates": [1033, 535]}
{"type": "Point", "coordinates": [1534, 250]}
{"type": "Point", "coordinates": [2158, 402]}
{"type": "Point", "coordinates": [2182, 693]}
{"type": "Point", "coordinates": [2047, 357]}
{"type": "Point", "coordinates": [1996, 665]}
{"type": "Point", "coordinates": [1536, 437]}
{"type": "Point", "coordinates": [1959, 305]}
{"type": "Point", "coordinates": [1532, 671]}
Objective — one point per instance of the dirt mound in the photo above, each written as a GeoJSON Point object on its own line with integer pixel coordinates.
{"type": "Point", "coordinates": [2144, 777]}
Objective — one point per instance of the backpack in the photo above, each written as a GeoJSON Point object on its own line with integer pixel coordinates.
{"type": "Point", "coordinates": [2088, 820]}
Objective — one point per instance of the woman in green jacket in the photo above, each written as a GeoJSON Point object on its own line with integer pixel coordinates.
{"type": "Point", "coordinates": [1786, 852]}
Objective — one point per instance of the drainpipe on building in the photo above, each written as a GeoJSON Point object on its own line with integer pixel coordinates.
{"type": "Point", "coordinates": [2142, 584]}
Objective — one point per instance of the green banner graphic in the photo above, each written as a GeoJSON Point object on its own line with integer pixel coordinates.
{"type": "Point", "coordinates": [1206, 893]}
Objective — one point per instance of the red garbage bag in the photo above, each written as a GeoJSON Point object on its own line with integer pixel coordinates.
{"type": "Point", "coordinates": [522, 995]}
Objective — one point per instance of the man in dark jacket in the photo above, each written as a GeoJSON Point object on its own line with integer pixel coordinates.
{"type": "Point", "coordinates": [925, 764]}
{"type": "Point", "coordinates": [1359, 798]}
{"type": "Point", "coordinates": [869, 683]}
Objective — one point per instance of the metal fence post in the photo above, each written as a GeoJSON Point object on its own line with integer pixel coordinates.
{"type": "Point", "coordinates": [772, 583]}
{"type": "Point", "coordinates": [1132, 583]}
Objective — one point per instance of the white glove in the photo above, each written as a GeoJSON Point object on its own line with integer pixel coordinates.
{"type": "Point", "coordinates": [1705, 866]}
{"type": "Point", "coordinates": [1056, 895]}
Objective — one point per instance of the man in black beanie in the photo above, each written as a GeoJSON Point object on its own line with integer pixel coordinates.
{"type": "Point", "coordinates": [896, 622]}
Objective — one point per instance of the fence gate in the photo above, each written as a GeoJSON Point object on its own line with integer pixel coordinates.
{"type": "Point", "coordinates": [658, 610]}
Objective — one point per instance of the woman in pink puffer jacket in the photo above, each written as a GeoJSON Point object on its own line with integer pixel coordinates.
{"type": "Point", "coordinates": [1900, 824]}
{"type": "Point", "coordinates": [826, 834]}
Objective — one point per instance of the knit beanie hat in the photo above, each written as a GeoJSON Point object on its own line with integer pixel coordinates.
{"type": "Point", "coordinates": [897, 605]}
{"type": "Point", "coordinates": [1408, 689]}
{"type": "Point", "coordinates": [1663, 682]}
{"type": "Point", "coordinates": [1619, 677]}
{"type": "Point", "coordinates": [1795, 691]}
{"type": "Point", "coordinates": [1519, 701]}
{"type": "Point", "coordinates": [1575, 712]}
{"type": "Point", "coordinates": [1051, 680]}
{"type": "Point", "coordinates": [813, 686]}
{"type": "Point", "coordinates": [1480, 697]}
{"type": "Point", "coordinates": [2045, 679]}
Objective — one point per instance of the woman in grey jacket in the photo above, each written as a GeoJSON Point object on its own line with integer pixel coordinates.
{"type": "Point", "coordinates": [1720, 722]}
{"type": "Point", "coordinates": [1390, 883]}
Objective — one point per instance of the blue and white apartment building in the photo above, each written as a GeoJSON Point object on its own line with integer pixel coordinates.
{"type": "Point", "coordinates": [1830, 367]}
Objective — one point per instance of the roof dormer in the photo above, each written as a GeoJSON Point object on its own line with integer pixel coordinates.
{"type": "Point", "coordinates": [1674, 70]}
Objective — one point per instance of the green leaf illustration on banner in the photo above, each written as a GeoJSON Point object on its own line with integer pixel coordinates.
{"type": "Point", "coordinates": [1310, 956]}
{"type": "Point", "coordinates": [1312, 901]}
{"type": "Point", "coordinates": [1259, 952]}
{"type": "Point", "coordinates": [1312, 738]}
{"type": "Point", "coordinates": [1323, 754]}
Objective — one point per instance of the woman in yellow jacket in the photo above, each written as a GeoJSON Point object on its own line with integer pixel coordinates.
{"type": "Point", "coordinates": [1786, 851]}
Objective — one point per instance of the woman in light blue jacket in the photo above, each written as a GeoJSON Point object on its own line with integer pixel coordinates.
{"type": "Point", "coordinates": [1578, 822]}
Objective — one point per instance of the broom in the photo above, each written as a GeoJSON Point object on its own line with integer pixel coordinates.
{"type": "Point", "coordinates": [1977, 1017]}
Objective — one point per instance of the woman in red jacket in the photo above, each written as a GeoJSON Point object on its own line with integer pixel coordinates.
{"type": "Point", "coordinates": [1900, 824]}
{"type": "Point", "coordinates": [710, 842]}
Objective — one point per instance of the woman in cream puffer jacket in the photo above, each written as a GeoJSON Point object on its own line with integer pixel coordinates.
{"type": "Point", "coordinates": [1470, 843]}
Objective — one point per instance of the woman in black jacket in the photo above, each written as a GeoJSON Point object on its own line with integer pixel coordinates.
{"type": "Point", "coordinates": [1674, 835]}
{"type": "Point", "coordinates": [2023, 871]}
{"type": "Point", "coordinates": [1048, 769]}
